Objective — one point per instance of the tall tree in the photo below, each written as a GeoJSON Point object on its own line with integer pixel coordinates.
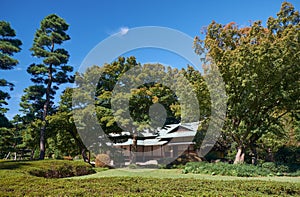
{"type": "Point", "coordinates": [144, 87]}
{"type": "Point", "coordinates": [260, 67]}
{"type": "Point", "coordinates": [64, 136]}
{"type": "Point", "coordinates": [8, 46]}
{"type": "Point", "coordinates": [94, 89]}
{"type": "Point", "coordinates": [51, 72]}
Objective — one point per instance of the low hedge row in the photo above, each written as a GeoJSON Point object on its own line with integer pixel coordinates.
{"type": "Point", "coordinates": [241, 170]}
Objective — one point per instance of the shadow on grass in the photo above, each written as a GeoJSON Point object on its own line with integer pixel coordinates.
{"type": "Point", "coordinates": [11, 165]}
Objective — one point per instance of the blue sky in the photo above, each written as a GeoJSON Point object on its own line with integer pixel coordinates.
{"type": "Point", "coordinates": [93, 21]}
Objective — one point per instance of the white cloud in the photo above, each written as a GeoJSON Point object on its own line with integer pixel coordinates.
{"type": "Point", "coordinates": [120, 31]}
{"type": "Point", "coordinates": [123, 30]}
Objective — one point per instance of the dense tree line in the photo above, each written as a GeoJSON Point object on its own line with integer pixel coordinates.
{"type": "Point", "coordinates": [260, 66]}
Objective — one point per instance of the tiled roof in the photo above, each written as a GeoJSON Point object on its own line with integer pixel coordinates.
{"type": "Point", "coordinates": [146, 142]}
{"type": "Point", "coordinates": [178, 134]}
{"type": "Point", "coordinates": [169, 131]}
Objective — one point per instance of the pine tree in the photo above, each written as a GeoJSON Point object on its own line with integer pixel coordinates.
{"type": "Point", "coordinates": [51, 72]}
{"type": "Point", "coordinates": [8, 46]}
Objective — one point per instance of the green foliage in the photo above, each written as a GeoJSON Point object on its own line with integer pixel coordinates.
{"type": "Point", "coordinates": [241, 170]}
{"type": "Point", "coordinates": [288, 154]}
{"type": "Point", "coordinates": [296, 126]}
{"type": "Point", "coordinates": [260, 68]}
{"type": "Point", "coordinates": [149, 91]}
{"type": "Point", "coordinates": [63, 138]}
{"type": "Point", "coordinates": [53, 71]}
{"type": "Point", "coordinates": [132, 166]}
{"type": "Point", "coordinates": [8, 46]}
{"type": "Point", "coordinates": [13, 174]}
{"type": "Point", "coordinates": [6, 141]}
{"type": "Point", "coordinates": [280, 169]}
{"type": "Point", "coordinates": [269, 165]}
{"type": "Point", "coordinates": [11, 137]}
{"type": "Point", "coordinates": [61, 169]}
{"type": "Point", "coordinates": [49, 74]}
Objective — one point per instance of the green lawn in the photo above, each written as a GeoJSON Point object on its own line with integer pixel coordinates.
{"type": "Point", "coordinates": [176, 173]}
{"type": "Point", "coordinates": [16, 180]}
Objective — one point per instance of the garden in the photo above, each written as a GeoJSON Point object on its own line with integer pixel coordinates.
{"type": "Point", "coordinates": [76, 178]}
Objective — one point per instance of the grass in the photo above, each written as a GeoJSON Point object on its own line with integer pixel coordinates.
{"type": "Point", "coordinates": [15, 180]}
{"type": "Point", "coordinates": [176, 174]}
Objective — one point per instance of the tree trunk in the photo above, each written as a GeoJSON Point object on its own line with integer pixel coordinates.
{"type": "Point", "coordinates": [134, 149]}
{"type": "Point", "coordinates": [32, 154]}
{"type": "Point", "coordinates": [253, 155]}
{"type": "Point", "coordinates": [42, 143]}
{"type": "Point", "coordinates": [270, 155]}
{"type": "Point", "coordinates": [84, 156]}
{"type": "Point", "coordinates": [240, 156]}
{"type": "Point", "coordinates": [81, 146]}
{"type": "Point", "coordinates": [45, 113]}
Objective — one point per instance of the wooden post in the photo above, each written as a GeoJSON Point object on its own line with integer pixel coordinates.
{"type": "Point", "coordinates": [143, 153]}
{"type": "Point", "coordinates": [152, 151]}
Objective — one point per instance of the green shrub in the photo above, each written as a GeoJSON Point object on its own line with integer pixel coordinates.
{"type": "Point", "coordinates": [297, 173]}
{"type": "Point", "coordinates": [269, 165]}
{"type": "Point", "coordinates": [288, 154]}
{"type": "Point", "coordinates": [242, 170]}
{"type": "Point", "coordinates": [280, 167]}
{"type": "Point", "coordinates": [61, 169]}
{"type": "Point", "coordinates": [151, 166]}
{"type": "Point", "coordinates": [132, 166]}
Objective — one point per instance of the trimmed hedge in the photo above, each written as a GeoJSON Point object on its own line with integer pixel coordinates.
{"type": "Point", "coordinates": [241, 170]}
{"type": "Point", "coordinates": [62, 169]}
{"type": "Point", "coordinates": [50, 168]}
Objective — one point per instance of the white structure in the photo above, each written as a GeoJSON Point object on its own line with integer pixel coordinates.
{"type": "Point", "coordinates": [170, 141]}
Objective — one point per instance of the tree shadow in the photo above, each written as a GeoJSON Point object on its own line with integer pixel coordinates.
{"type": "Point", "coordinates": [11, 165]}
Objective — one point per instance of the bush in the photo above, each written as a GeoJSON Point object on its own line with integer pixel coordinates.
{"type": "Point", "coordinates": [102, 160]}
{"type": "Point", "coordinates": [297, 173]}
{"type": "Point", "coordinates": [289, 154]}
{"type": "Point", "coordinates": [269, 165]}
{"type": "Point", "coordinates": [132, 166]}
{"type": "Point", "coordinates": [61, 169]}
{"type": "Point", "coordinates": [281, 167]}
{"type": "Point", "coordinates": [183, 159]}
{"type": "Point", "coordinates": [242, 170]}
